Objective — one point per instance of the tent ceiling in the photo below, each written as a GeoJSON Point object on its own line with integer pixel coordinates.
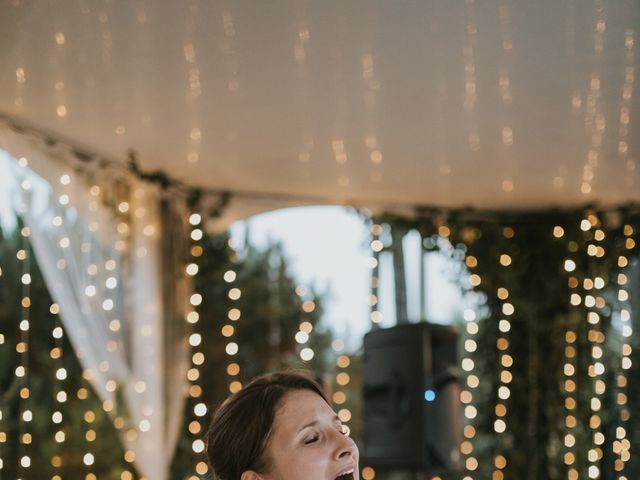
{"type": "Point", "coordinates": [492, 104]}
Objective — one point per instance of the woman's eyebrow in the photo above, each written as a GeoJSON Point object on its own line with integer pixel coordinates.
{"type": "Point", "coordinates": [313, 423]}
{"type": "Point", "coordinates": [310, 424]}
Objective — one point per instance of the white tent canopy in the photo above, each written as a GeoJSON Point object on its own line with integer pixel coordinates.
{"type": "Point", "coordinates": [385, 104]}
{"type": "Point", "coordinates": [489, 104]}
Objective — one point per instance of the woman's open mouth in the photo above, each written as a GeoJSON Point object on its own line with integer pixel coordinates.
{"type": "Point", "coordinates": [347, 475]}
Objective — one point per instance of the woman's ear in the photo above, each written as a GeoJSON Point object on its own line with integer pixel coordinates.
{"type": "Point", "coordinates": [250, 475]}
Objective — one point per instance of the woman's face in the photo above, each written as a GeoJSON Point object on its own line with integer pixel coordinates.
{"type": "Point", "coordinates": [307, 441]}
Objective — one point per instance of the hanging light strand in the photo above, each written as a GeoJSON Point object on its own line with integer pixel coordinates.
{"type": "Point", "coordinates": [229, 332]}
{"type": "Point", "coordinates": [374, 263]}
{"type": "Point", "coordinates": [471, 85]}
{"type": "Point", "coordinates": [199, 411]}
{"type": "Point", "coordinates": [57, 333]}
{"type": "Point", "coordinates": [593, 303]}
{"type": "Point", "coordinates": [569, 367]}
{"type": "Point", "coordinates": [625, 109]}
{"type": "Point", "coordinates": [193, 74]}
{"type": "Point", "coordinates": [622, 443]}
{"type": "Point", "coordinates": [3, 434]}
{"type": "Point", "coordinates": [506, 360]}
{"type": "Point", "coordinates": [123, 244]}
{"type": "Point", "coordinates": [595, 121]}
{"type": "Point", "coordinates": [472, 328]}
{"type": "Point", "coordinates": [59, 393]}
{"type": "Point", "coordinates": [506, 96]}
{"type": "Point", "coordinates": [22, 371]}
{"type": "Point", "coordinates": [342, 380]}
{"type": "Point", "coordinates": [88, 417]}
{"type": "Point", "coordinates": [303, 335]}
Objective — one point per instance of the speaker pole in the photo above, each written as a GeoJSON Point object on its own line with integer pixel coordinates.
{"type": "Point", "coordinates": [397, 234]}
{"type": "Point", "coordinates": [423, 281]}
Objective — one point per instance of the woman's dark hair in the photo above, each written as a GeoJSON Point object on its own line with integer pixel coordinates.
{"type": "Point", "coordinates": [241, 426]}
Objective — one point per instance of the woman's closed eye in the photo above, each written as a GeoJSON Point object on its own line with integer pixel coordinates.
{"type": "Point", "coordinates": [311, 439]}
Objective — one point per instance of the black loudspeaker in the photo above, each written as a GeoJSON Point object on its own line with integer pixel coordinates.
{"type": "Point", "coordinates": [412, 413]}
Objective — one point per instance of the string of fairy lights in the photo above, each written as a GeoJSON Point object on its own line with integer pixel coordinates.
{"type": "Point", "coordinates": [470, 85]}
{"type": "Point", "coordinates": [122, 229]}
{"type": "Point", "coordinates": [596, 337]}
{"type": "Point", "coordinates": [229, 331]}
{"type": "Point", "coordinates": [622, 444]}
{"type": "Point", "coordinates": [569, 369]}
{"type": "Point", "coordinates": [197, 424]}
{"type": "Point", "coordinates": [22, 371]}
{"type": "Point", "coordinates": [625, 104]}
{"type": "Point", "coordinates": [376, 247]}
{"type": "Point", "coordinates": [199, 411]}
{"type": "Point", "coordinates": [88, 433]}
{"type": "Point", "coordinates": [339, 396]}
{"type": "Point", "coordinates": [3, 434]}
{"type": "Point", "coordinates": [506, 93]}
{"type": "Point", "coordinates": [88, 418]}
{"type": "Point", "coordinates": [595, 121]}
{"type": "Point", "coordinates": [472, 328]}
{"type": "Point", "coordinates": [195, 85]}
{"type": "Point", "coordinates": [107, 267]}
{"type": "Point", "coordinates": [375, 316]}
{"type": "Point", "coordinates": [60, 394]}
{"type": "Point", "coordinates": [303, 335]}
{"type": "Point", "coordinates": [57, 333]}
{"type": "Point", "coordinates": [506, 359]}
{"type": "Point", "coordinates": [121, 244]}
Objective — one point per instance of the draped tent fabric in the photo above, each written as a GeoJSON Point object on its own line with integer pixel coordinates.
{"type": "Point", "coordinates": [101, 237]}
{"type": "Point", "coordinates": [446, 103]}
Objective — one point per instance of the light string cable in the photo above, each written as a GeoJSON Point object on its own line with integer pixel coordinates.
{"type": "Point", "coordinates": [470, 84]}
{"type": "Point", "coordinates": [197, 423]}
{"type": "Point", "coordinates": [56, 354]}
{"type": "Point", "coordinates": [3, 345]}
{"type": "Point", "coordinates": [375, 317]}
{"type": "Point", "coordinates": [229, 331]}
{"type": "Point", "coordinates": [340, 397]}
{"type": "Point", "coordinates": [85, 392]}
{"type": "Point", "coordinates": [570, 366]}
{"type": "Point", "coordinates": [59, 392]}
{"type": "Point", "coordinates": [622, 443]}
{"type": "Point", "coordinates": [376, 247]}
{"type": "Point", "coordinates": [594, 302]}
{"type": "Point", "coordinates": [472, 381]}
{"type": "Point", "coordinates": [507, 310]}
{"type": "Point", "coordinates": [303, 335]}
{"type": "Point", "coordinates": [22, 371]}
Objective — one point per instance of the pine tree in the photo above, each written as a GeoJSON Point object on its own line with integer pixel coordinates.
{"type": "Point", "coordinates": [271, 314]}
{"type": "Point", "coordinates": [271, 309]}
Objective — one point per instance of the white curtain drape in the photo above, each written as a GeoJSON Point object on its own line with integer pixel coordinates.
{"type": "Point", "coordinates": [98, 233]}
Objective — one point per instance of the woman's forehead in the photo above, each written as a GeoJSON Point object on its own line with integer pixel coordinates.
{"type": "Point", "coordinates": [299, 407]}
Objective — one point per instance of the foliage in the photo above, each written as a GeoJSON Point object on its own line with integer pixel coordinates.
{"type": "Point", "coordinates": [540, 289]}
{"type": "Point", "coordinates": [271, 312]}
{"type": "Point", "coordinates": [38, 435]}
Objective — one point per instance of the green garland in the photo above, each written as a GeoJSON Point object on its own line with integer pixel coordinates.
{"type": "Point", "coordinates": [540, 289]}
{"type": "Point", "coordinates": [257, 280]}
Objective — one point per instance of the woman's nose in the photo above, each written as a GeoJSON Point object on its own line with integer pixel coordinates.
{"type": "Point", "coordinates": [344, 447]}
